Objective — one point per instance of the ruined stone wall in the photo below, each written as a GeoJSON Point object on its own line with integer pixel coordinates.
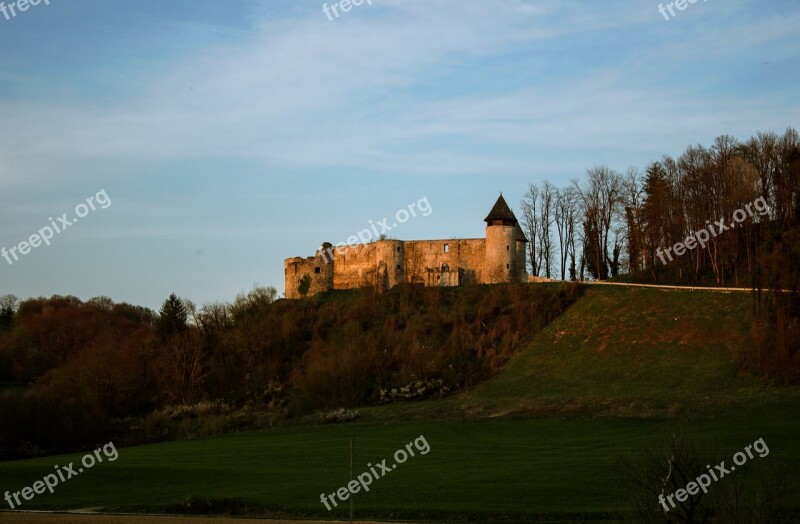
{"type": "Point", "coordinates": [422, 255]}
{"type": "Point", "coordinates": [387, 263]}
{"type": "Point", "coordinates": [294, 269]}
{"type": "Point", "coordinates": [355, 266]}
{"type": "Point", "coordinates": [319, 269]}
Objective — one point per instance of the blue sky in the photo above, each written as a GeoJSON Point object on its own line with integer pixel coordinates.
{"type": "Point", "coordinates": [232, 135]}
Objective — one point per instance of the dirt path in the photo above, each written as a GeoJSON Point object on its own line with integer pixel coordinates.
{"type": "Point", "coordinates": [665, 287]}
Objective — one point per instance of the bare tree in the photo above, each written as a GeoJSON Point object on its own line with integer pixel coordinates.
{"type": "Point", "coordinates": [659, 473]}
{"type": "Point", "coordinates": [564, 214]}
{"type": "Point", "coordinates": [787, 180]}
{"type": "Point", "coordinates": [544, 223]}
{"type": "Point", "coordinates": [601, 196]}
{"type": "Point", "coordinates": [184, 369]}
{"type": "Point", "coordinates": [530, 225]}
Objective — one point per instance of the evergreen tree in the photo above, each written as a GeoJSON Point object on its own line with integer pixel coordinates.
{"type": "Point", "coordinates": [172, 317]}
{"type": "Point", "coordinates": [655, 213]}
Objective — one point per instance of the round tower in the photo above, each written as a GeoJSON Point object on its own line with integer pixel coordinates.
{"type": "Point", "coordinates": [500, 263]}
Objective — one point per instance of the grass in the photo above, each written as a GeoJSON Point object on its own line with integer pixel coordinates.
{"type": "Point", "coordinates": [620, 371]}
{"type": "Point", "coordinates": [633, 352]}
{"type": "Point", "coordinates": [490, 468]}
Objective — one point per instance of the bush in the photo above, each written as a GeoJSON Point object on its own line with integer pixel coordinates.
{"type": "Point", "coordinates": [337, 416]}
{"type": "Point", "coordinates": [417, 390]}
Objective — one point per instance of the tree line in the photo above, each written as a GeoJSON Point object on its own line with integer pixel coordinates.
{"type": "Point", "coordinates": [611, 223]}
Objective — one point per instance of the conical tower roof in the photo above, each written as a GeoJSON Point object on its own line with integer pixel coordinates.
{"type": "Point", "coordinates": [501, 212]}
{"type": "Point", "coordinates": [521, 235]}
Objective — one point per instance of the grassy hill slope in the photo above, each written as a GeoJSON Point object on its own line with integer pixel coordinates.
{"type": "Point", "coordinates": [619, 351]}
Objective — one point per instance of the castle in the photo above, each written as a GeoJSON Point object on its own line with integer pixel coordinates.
{"type": "Point", "coordinates": [498, 258]}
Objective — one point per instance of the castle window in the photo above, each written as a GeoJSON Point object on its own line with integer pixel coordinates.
{"type": "Point", "coordinates": [508, 266]}
{"type": "Point", "coordinates": [398, 249]}
{"type": "Point", "coordinates": [508, 248]}
{"type": "Point", "coordinates": [399, 268]}
{"type": "Point", "coordinates": [445, 268]}
{"type": "Point", "coordinates": [447, 248]}
{"type": "Point", "coordinates": [317, 270]}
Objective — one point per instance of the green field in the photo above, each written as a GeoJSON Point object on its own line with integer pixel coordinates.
{"type": "Point", "coordinates": [620, 371]}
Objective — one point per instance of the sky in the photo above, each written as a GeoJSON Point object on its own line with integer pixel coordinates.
{"type": "Point", "coordinates": [229, 136]}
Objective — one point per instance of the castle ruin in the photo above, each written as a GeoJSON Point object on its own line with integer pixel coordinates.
{"type": "Point", "coordinates": [383, 264]}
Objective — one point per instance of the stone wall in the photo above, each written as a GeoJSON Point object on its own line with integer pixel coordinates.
{"type": "Point", "coordinates": [318, 268]}
{"type": "Point", "coordinates": [355, 266]}
{"type": "Point", "coordinates": [465, 254]}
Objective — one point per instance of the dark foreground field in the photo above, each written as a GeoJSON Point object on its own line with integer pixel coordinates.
{"type": "Point", "coordinates": [622, 371]}
{"type": "Point", "coordinates": [41, 518]}
{"type": "Point", "coordinates": [558, 468]}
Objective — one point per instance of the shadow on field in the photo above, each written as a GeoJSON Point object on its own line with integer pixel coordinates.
{"type": "Point", "coordinates": [72, 518]}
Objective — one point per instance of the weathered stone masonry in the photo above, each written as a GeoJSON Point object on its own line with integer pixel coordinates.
{"type": "Point", "coordinates": [498, 258]}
